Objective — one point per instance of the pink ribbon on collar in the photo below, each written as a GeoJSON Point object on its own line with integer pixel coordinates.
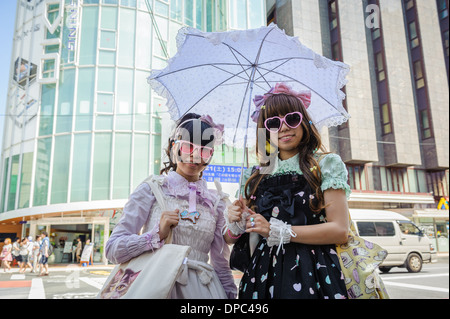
{"type": "Point", "coordinates": [280, 88]}
{"type": "Point", "coordinates": [192, 197]}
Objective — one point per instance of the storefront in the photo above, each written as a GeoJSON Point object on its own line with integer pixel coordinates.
{"type": "Point", "coordinates": [435, 223]}
{"type": "Point", "coordinates": [64, 231]}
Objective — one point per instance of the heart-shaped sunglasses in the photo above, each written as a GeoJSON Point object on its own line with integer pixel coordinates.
{"type": "Point", "coordinates": [189, 148]}
{"type": "Point", "coordinates": [292, 120]}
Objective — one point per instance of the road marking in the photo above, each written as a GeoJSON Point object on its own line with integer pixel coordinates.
{"type": "Point", "coordinates": [37, 289]}
{"type": "Point", "coordinates": [413, 276]}
{"type": "Point", "coordinates": [398, 284]}
{"type": "Point", "coordinates": [15, 284]}
{"type": "Point", "coordinates": [18, 277]}
{"type": "Point", "coordinates": [91, 282]}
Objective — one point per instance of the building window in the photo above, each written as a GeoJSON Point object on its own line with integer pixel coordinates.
{"type": "Point", "coordinates": [176, 10]}
{"type": "Point", "coordinates": [60, 167]}
{"type": "Point", "coordinates": [161, 9]}
{"type": "Point", "coordinates": [442, 9]}
{"type": "Point", "coordinates": [357, 177]}
{"type": "Point", "coordinates": [446, 43]}
{"type": "Point", "coordinates": [81, 170]}
{"type": "Point", "coordinates": [336, 52]}
{"type": "Point", "coordinates": [238, 14]}
{"type": "Point", "coordinates": [409, 4]}
{"type": "Point", "coordinates": [376, 33]}
{"type": "Point", "coordinates": [256, 14]}
{"type": "Point", "coordinates": [42, 171]}
{"type": "Point", "coordinates": [128, 3]}
{"type": "Point", "coordinates": [437, 183]}
{"type": "Point", "coordinates": [418, 74]}
{"type": "Point", "coordinates": [48, 68]}
{"type": "Point", "coordinates": [413, 37]}
{"type": "Point", "coordinates": [107, 39]}
{"type": "Point", "coordinates": [386, 119]}
{"type": "Point", "coordinates": [425, 124]}
{"type": "Point", "coordinates": [332, 14]}
{"type": "Point", "coordinates": [122, 164]}
{"type": "Point", "coordinates": [101, 172]}
{"type": "Point", "coordinates": [381, 75]}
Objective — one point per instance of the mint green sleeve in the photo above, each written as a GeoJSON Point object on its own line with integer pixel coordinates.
{"type": "Point", "coordinates": [334, 173]}
{"type": "Point", "coordinates": [245, 177]}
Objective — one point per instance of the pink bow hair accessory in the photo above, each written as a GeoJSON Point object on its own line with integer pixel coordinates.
{"type": "Point", "coordinates": [280, 88]}
{"type": "Point", "coordinates": [218, 128]}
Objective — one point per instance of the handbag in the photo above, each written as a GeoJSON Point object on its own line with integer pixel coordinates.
{"type": "Point", "coordinates": [150, 275]}
{"type": "Point", "coordinates": [240, 254]}
{"type": "Point", "coordinates": [359, 260]}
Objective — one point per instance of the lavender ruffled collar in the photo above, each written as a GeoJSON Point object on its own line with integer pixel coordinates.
{"type": "Point", "coordinates": [178, 186]}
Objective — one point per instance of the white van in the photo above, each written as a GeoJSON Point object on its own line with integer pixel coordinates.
{"type": "Point", "coordinates": [406, 244]}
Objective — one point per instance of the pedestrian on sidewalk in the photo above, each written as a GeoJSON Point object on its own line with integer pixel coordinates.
{"type": "Point", "coordinates": [44, 250]}
{"type": "Point", "coordinates": [24, 251]}
{"type": "Point", "coordinates": [6, 256]}
{"type": "Point", "coordinates": [35, 253]}
{"type": "Point", "coordinates": [78, 249]}
{"type": "Point", "coordinates": [16, 252]}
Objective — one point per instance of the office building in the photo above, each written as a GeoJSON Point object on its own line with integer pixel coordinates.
{"type": "Point", "coordinates": [395, 145]}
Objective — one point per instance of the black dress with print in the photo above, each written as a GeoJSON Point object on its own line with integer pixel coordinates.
{"type": "Point", "coordinates": [298, 271]}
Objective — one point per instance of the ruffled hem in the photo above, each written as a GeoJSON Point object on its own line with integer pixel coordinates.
{"type": "Point", "coordinates": [336, 184]}
{"type": "Point", "coordinates": [216, 38]}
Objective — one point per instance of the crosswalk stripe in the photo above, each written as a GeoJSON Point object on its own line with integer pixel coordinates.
{"type": "Point", "coordinates": [37, 289]}
{"type": "Point", "coordinates": [398, 284]}
{"type": "Point", "coordinates": [384, 277]}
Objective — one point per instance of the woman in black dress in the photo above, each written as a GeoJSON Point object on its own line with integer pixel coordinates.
{"type": "Point", "coordinates": [298, 203]}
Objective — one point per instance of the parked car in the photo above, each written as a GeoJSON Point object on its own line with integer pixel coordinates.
{"type": "Point", "coordinates": [406, 244]}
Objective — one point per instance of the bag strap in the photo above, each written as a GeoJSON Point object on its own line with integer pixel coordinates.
{"type": "Point", "coordinates": [222, 195]}
{"type": "Point", "coordinates": [157, 192]}
{"type": "Point", "coordinates": [159, 196]}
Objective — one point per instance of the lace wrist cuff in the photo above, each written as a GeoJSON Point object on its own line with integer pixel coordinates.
{"type": "Point", "coordinates": [236, 228]}
{"type": "Point", "coordinates": [153, 239]}
{"type": "Point", "coordinates": [280, 233]}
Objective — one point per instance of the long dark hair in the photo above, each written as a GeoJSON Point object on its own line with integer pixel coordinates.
{"type": "Point", "coordinates": [280, 105]}
{"type": "Point", "coordinates": [188, 129]}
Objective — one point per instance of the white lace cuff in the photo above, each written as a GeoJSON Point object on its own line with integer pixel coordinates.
{"type": "Point", "coordinates": [237, 228]}
{"type": "Point", "coordinates": [280, 233]}
{"type": "Point", "coordinates": [152, 238]}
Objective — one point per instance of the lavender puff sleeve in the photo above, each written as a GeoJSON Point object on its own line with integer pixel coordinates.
{"type": "Point", "coordinates": [125, 243]}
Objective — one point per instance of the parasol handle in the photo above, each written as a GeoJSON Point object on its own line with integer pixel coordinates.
{"type": "Point", "coordinates": [246, 131]}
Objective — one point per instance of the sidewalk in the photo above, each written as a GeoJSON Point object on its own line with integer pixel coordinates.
{"type": "Point", "coordinates": [59, 267]}
{"type": "Point", "coordinates": [442, 256]}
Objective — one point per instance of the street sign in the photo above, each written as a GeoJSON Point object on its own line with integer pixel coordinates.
{"type": "Point", "coordinates": [225, 174]}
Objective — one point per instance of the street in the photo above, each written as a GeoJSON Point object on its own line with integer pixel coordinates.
{"type": "Point", "coordinates": [75, 282]}
{"type": "Point", "coordinates": [431, 283]}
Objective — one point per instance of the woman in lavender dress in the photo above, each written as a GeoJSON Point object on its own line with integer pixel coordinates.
{"type": "Point", "coordinates": [195, 216]}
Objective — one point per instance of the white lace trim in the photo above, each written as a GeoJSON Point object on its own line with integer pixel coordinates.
{"type": "Point", "coordinates": [218, 37]}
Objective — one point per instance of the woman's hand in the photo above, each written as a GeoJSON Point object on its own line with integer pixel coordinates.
{"type": "Point", "coordinates": [256, 223]}
{"type": "Point", "coordinates": [237, 213]}
{"type": "Point", "coordinates": [169, 220]}
{"type": "Point", "coordinates": [236, 210]}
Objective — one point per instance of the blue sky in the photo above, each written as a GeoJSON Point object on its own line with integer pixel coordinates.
{"type": "Point", "coordinates": [7, 17]}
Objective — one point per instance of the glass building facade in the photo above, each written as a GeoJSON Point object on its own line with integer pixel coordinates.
{"type": "Point", "coordinates": [83, 127]}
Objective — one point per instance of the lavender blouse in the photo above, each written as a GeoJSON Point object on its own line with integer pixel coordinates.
{"type": "Point", "coordinates": [205, 236]}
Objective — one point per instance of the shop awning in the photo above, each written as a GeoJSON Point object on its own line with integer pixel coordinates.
{"type": "Point", "coordinates": [431, 213]}
{"type": "Point", "coordinates": [391, 197]}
